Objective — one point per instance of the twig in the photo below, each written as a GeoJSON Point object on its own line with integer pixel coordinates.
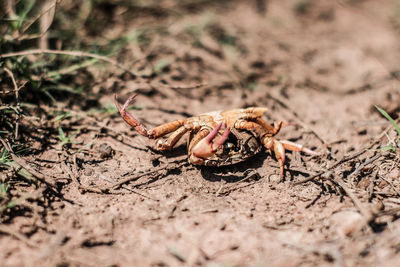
{"type": "Point", "coordinates": [16, 89]}
{"type": "Point", "coordinates": [93, 119]}
{"type": "Point", "coordinates": [371, 185]}
{"type": "Point", "coordinates": [39, 176]}
{"type": "Point", "coordinates": [131, 178]}
{"type": "Point", "coordinates": [136, 177]}
{"type": "Point", "coordinates": [68, 170]}
{"type": "Point", "coordinates": [283, 103]}
{"type": "Point", "coordinates": [350, 157]}
{"type": "Point", "coordinates": [111, 129]}
{"type": "Point", "coordinates": [36, 18]}
{"type": "Point", "coordinates": [392, 212]}
{"type": "Point", "coordinates": [68, 53]}
{"type": "Point", "coordinates": [366, 213]}
{"type": "Point", "coordinates": [391, 185]}
{"type": "Point", "coordinates": [234, 188]}
{"type": "Point", "coordinates": [343, 160]}
{"type": "Point", "coordinates": [177, 255]}
{"type": "Point", "coordinates": [194, 86]}
{"type": "Point", "coordinates": [353, 175]}
{"type": "Point", "coordinates": [7, 230]}
{"type": "Point", "coordinates": [128, 188]}
{"type": "Point", "coordinates": [365, 163]}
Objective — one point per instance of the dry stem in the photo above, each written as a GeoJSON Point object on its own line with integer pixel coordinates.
{"type": "Point", "coordinates": [68, 53]}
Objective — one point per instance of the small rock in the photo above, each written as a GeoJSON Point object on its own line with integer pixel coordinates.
{"type": "Point", "coordinates": [88, 172]}
{"type": "Point", "coordinates": [364, 183]}
{"type": "Point", "coordinates": [347, 223]}
{"type": "Point", "coordinates": [383, 184]}
{"type": "Point", "coordinates": [393, 174]}
{"type": "Point", "coordinates": [105, 151]}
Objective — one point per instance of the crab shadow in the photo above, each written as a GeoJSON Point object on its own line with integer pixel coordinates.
{"type": "Point", "coordinates": [177, 152]}
{"type": "Point", "coordinates": [229, 173]}
{"type": "Point", "coordinates": [234, 173]}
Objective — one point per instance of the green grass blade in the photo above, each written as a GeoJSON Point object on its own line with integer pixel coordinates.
{"type": "Point", "coordinates": [3, 188]}
{"type": "Point", "coordinates": [61, 134]}
{"type": "Point", "coordinates": [20, 171]}
{"type": "Point", "coordinates": [387, 116]}
{"type": "Point", "coordinates": [72, 68]}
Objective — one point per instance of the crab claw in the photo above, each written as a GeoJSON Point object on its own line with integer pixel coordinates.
{"type": "Point", "coordinates": [128, 118]}
{"type": "Point", "coordinates": [206, 147]}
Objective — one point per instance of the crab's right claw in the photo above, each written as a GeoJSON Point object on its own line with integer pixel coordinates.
{"type": "Point", "coordinates": [128, 118]}
{"type": "Point", "coordinates": [206, 147]}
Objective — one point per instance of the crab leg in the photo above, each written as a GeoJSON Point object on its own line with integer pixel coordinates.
{"type": "Point", "coordinates": [271, 143]}
{"type": "Point", "coordinates": [139, 127]}
{"type": "Point", "coordinates": [172, 140]}
{"type": "Point", "coordinates": [252, 126]}
{"type": "Point", "coordinates": [272, 130]}
{"type": "Point", "coordinates": [279, 151]}
{"type": "Point", "coordinates": [297, 147]}
{"type": "Point", "coordinates": [266, 131]}
{"type": "Point", "coordinates": [279, 148]}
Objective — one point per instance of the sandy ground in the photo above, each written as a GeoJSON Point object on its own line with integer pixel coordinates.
{"type": "Point", "coordinates": [322, 65]}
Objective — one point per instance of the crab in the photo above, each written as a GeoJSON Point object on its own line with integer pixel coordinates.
{"type": "Point", "coordinates": [219, 138]}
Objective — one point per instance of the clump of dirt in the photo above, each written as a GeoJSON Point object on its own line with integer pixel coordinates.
{"type": "Point", "coordinates": [106, 197]}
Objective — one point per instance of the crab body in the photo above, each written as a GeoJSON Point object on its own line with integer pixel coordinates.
{"type": "Point", "coordinates": [219, 138]}
{"type": "Point", "coordinates": [239, 146]}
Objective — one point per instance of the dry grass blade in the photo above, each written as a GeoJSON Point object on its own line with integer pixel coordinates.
{"type": "Point", "coordinates": [364, 164]}
{"type": "Point", "coordinates": [137, 176]}
{"type": "Point", "coordinates": [47, 9]}
{"type": "Point", "coordinates": [348, 158]}
{"type": "Point", "coordinates": [16, 90]}
{"type": "Point", "coordinates": [68, 53]}
{"type": "Point", "coordinates": [286, 105]}
{"type": "Point", "coordinates": [39, 176]}
{"type": "Point", "coordinates": [7, 230]}
{"type": "Point", "coordinates": [45, 22]}
{"type": "Point", "coordinates": [365, 212]}
{"type": "Point", "coordinates": [9, 7]}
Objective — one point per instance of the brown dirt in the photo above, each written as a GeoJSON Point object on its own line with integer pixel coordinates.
{"type": "Point", "coordinates": [321, 64]}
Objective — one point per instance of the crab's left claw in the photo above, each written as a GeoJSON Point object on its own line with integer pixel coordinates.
{"type": "Point", "coordinates": [206, 147]}
{"type": "Point", "coordinates": [128, 118]}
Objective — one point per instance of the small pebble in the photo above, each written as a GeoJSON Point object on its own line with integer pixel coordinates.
{"type": "Point", "coordinates": [105, 151]}
{"type": "Point", "coordinates": [347, 223]}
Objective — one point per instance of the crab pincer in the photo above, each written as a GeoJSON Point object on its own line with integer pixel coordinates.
{"type": "Point", "coordinates": [128, 118]}
{"type": "Point", "coordinates": [207, 147]}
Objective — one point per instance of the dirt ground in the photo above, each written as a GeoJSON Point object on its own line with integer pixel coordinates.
{"type": "Point", "coordinates": [322, 65]}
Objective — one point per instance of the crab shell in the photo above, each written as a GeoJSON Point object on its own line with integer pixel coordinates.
{"type": "Point", "coordinates": [237, 144]}
{"type": "Point", "coordinates": [238, 147]}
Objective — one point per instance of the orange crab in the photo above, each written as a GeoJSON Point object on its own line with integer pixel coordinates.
{"type": "Point", "coordinates": [220, 137]}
